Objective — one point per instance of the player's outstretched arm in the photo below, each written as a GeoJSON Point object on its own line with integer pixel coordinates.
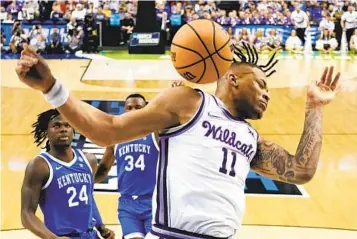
{"type": "Point", "coordinates": [166, 110]}
{"type": "Point", "coordinates": [105, 164]}
{"type": "Point", "coordinates": [273, 161]}
{"type": "Point", "coordinates": [36, 175]}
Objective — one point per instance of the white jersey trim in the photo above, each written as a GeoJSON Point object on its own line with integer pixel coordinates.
{"type": "Point", "coordinates": [154, 141]}
{"type": "Point", "coordinates": [49, 180]}
{"type": "Point", "coordinates": [61, 162]}
{"type": "Point", "coordinates": [134, 235]}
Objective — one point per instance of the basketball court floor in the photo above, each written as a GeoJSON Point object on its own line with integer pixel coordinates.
{"type": "Point", "coordinates": [326, 207]}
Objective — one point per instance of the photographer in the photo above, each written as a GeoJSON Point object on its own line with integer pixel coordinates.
{"type": "Point", "coordinates": [90, 41]}
{"type": "Point", "coordinates": [37, 39]}
{"type": "Point", "coordinates": [127, 27]}
{"type": "Point", "coordinates": [16, 42]}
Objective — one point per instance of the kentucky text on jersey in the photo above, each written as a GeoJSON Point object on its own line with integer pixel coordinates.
{"type": "Point", "coordinates": [74, 178]}
{"type": "Point", "coordinates": [134, 148]}
{"type": "Point", "coordinates": [228, 137]}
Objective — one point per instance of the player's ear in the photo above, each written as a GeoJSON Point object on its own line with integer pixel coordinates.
{"type": "Point", "coordinates": [233, 79]}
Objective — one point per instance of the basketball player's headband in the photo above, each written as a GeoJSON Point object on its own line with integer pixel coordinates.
{"type": "Point", "coordinates": [253, 58]}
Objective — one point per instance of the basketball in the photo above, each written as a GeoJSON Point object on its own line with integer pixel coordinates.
{"type": "Point", "coordinates": [201, 51]}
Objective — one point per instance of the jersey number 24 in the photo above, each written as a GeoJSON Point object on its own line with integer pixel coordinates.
{"type": "Point", "coordinates": [83, 197]}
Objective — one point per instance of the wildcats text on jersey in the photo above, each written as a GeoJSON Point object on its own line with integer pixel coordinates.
{"type": "Point", "coordinates": [255, 184]}
{"type": "Point", "coordinates": [227, 137]}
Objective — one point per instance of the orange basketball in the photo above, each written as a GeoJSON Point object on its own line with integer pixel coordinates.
{"type": "Point", "coordinates": [201, 51]}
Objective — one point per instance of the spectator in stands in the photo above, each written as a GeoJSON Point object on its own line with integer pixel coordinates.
{"type": "Point", "coordinates": [327, 23]}
{"type": "Point", "coordinates": [16, 41]}
{"type": "Point", "coordinates": [127, 27]}
{"type": "Point", "coordinates": [189, 13]}
{"type": "Point", "coordinates": [107, 12]}
{"type": "Point", "coordinates": [348, 22]}
{"type": "Point", "coordinates": [338, 27]}
{"type": "Point", "coordinates": [288, 21]}
{"type": "Point", "coordinates": [133, 8]}
{"type": "Point", "coordinates": [274, 41]}
{"type": "Point", "coordinates": [71, 26]}
{"type": "Point", "coordinates": [231, 35]}
{"type": "Point", "coordinates": [280, 18]}
{"type": "Point", "coordinates": [301, 22]}
{"type": "Point", "coordinates": [9, 19]}
{"type": "Point", "coordinates": [75, 41]}
{"type": "Point", "coordinates": [233, 18]}
{"type": "Point", "coordinates": [353, 42]}
{"type": "Point", "coordinates": [244, 18]}
{"type": "Point", "coordinates": [45, 9]}
{"type": "Point", "coordinates": [269, 19]}
{"type": "Point", "coordinates": [3, 14]}
{"type": "Point", "coordinates": [33, 9]}
{"type": "Point", "coordinates": [259, 41]}
{"type": "Point", "coordinates": [256, 19]}
{"type": "Point", "coordinates": [293, 44]}
{"type": "Point", "coordinates": [55, 46]}
{"type": "Point", "coordinates": [243, 37]}
{"type": "Point", "coordinates": [56, 13]}
{"type": "Point", "coordinates": [99, 15]}
{"type": "Point", "coordinates": [13, 10]}
{"type": "Point", "coordinates": [327, 42]}
{"type": "Point", "coordinates": [2, 40]}
{"type": "Point", "coordinates": [223, 19]}
{"type": "Point", "coordinates": [37, 39]}
{"type": "Point", "coordinates": [90, 40]}
{"type": "Point", "coordinates": [80, 12]}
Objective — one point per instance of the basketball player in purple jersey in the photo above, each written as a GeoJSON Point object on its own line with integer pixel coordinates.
{"type": "Point", "coordinates": [206, 146]}
{"type": "Point", "coordinates": [60, 181]}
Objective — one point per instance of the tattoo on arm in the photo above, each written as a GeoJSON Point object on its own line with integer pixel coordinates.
{"type": "Point", "coordinates": [275, 162]}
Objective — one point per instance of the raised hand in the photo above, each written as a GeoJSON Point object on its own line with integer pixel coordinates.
{"type": "Point", "coordinates": [322, 92]}
{"type": "Point", "coordinates": [33, 70]}
{"type": "Point", "coordinates": [177, 83]}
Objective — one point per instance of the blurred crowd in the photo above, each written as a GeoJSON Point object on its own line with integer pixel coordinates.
{"type": "Point", "coordinates": [79, 16]}
{"type": "Point", "coordinates": [333, 18]}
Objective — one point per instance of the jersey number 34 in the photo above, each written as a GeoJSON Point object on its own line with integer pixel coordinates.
{"type": "Point", "coordinates": [132, 163]}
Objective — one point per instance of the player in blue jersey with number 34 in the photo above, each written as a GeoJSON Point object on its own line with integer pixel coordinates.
{"type": "Point", "coordinates": [61, 181]}
{"type": "Point", "coordinates": [136, 170]}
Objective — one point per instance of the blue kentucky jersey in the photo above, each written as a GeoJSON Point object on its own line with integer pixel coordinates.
{"type": "Point", "coordinates": [136, 166]}
{"type": "Point", "coordinates": [66, 198]}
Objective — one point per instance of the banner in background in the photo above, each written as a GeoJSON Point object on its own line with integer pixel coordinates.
{"type": "Point", "coordinates": [283, 31]}
{"type": "Point", "coordinates": [46, 30]}
{"type": "Point", "coordinates": [145, 39]}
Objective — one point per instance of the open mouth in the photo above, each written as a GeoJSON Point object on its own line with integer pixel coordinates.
{"type": "Point", "coordinates": [64, 138]}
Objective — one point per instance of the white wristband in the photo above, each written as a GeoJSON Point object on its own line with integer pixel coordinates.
{"type": "Point", "coordinates": [58, 95]}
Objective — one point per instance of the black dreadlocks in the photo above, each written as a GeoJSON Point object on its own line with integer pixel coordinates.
{"type": "Point", "coordinates": [253, 58]}
{"type": "Point", "coordinates": [41, 125]}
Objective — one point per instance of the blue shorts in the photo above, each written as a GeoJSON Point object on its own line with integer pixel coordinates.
{"type": "Point", "coordinates": [135, 216]}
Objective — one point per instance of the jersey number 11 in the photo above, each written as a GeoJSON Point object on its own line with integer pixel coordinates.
{"type": "Point", "coordinates": [223, 169]}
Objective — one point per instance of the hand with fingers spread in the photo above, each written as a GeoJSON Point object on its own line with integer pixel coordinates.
{"type": "Point", "coordinates": [177, 83]}
{"type": "Point", "coordinates": [33, 70]}
{"type": "Point", "coordinates": [321, 93]}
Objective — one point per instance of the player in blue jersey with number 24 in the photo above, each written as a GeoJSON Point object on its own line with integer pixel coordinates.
{"type": "Point", "coordinates": [60, 180]}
